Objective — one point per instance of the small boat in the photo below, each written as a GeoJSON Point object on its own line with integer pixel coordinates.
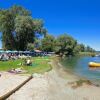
{"type": "Point", "coordinates": [94, 64]}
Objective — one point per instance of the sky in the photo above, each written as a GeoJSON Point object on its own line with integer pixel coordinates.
{"type": "Point", "coordinates": [78, 18]}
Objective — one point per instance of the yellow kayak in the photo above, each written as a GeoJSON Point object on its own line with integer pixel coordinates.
{"type": "Point", "coordinates": [94, 64]}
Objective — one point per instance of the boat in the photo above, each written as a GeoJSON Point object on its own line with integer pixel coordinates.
{"type": "Point", "coordinates": [94, 64]}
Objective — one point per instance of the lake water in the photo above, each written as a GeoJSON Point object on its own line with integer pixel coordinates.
{"type": "Point", "coordinates": [79, 65]}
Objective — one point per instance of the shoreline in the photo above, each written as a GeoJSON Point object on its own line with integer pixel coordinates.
{"type": "Point", "coordinates": [95, 83]}
{"type": "Point", "coordinates": [67, 71]}
{"type": "Point", "coordinates": [56, 65]}
{"type": "Point", "coordinates": [56, 84]}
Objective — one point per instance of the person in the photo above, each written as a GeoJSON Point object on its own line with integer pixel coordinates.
{"type": "Point", "coordinates": [12, 70]}
{"type": "Point", "coordinates": [29, 62]}
{"type": "Point", "coordinates": [18, 70]}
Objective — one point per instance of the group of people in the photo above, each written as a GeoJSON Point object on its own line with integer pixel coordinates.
{"type": "Point", "coordinates": [8, 56]}
{"type": "Point", "coordinates": [12, 56]}
{"type": "Point", "coordinates": [17, 70]}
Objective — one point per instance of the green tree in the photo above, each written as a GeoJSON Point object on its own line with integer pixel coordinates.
{"type": "Point", "coordinates": [48, 43]}
{"type": "Point", "coordinates": [65, 45]}
{"type": "Point", "coordinates": [24, 31]}
{"type": "Point", "coordinates": [30, 46]}
{"type": "Point", "coordinates": [77, 49]}
{"type": "Point", "coordinates": [6, 27]}
{"type": "Point", "coordinates": [17, 10]}
{"type": "Point", "coordinates": [82, 47]}
{"type": "Point", "coordinates": [39, 27]}
{"type": "Point", "coordinates": [19, 28]}
{"type": "Point", "coordinates": [89, 49]}
{"type": "Point", "coordinates": [7, 21]}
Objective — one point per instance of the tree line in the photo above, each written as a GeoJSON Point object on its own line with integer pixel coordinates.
{"type": "Point", "coordinates": [22, 32]}
{"type": "Point", "coordinates": [64, 45]}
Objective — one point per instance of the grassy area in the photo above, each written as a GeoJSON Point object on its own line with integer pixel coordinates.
{"type": "Point", "coordinates": [79, 83]}
{"type": "Point", "coordinates": [39, 65]}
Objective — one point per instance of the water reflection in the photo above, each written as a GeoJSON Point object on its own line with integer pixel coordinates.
{"type": "Point", "coordinates": [79, 65]}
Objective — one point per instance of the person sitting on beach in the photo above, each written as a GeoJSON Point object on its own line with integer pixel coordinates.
{"type": "Point", "coordinates": [12, 70]}
{"type": "Point", "coordinates": [17, 70]}
{"type": "Point", "coordinates": [28, 62]}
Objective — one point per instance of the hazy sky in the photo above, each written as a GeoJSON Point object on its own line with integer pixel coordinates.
{"type": "Point", "coordinates": [79, 18]}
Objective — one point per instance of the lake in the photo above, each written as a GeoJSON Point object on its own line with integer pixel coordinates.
{"type": "Point", "coordinates": [79, 66]}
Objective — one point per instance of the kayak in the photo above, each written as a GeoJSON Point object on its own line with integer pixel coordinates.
{"type": "Point", "coordinates": [94, 64]}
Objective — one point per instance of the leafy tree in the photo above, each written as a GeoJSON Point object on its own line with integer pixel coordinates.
{"type": "Point", "coordinates": [77, 49]}
{"type": "Point", "coordinates": [6, 27]}
{"type": "Point", "coordinates": [38, 27]}
{"type": "Point", "coordinates": [48, 43]}
{"type": "Point", "coordinates": [17, 10]}
{"type": "Point", "coordinates": [24, 31]}
{"type": "Point", "coordinates": [30, 46]}
{"type": "Point", "coordinates": [89, 49]}
{"type": "Point", "coordinates": [37, 43]}
{"type": "Point", "coordinates": [7, 21]}
{"type": "Point", "coordinates": [19, 28]}
{"type": "Point", "coordinates": [66, 44]}
{"type": "Point", "coordinates": [82, 47]}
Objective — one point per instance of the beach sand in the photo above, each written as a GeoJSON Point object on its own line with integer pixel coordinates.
{"type": "Point", "coordinates": [9, 81]}
{"type": "Point", "coordinates": [54, 85]}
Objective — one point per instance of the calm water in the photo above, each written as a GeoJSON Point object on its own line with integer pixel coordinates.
{"type": "Point", "coordinates": [79, 65]}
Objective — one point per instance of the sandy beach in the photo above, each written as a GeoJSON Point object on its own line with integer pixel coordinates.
{"type": "Point", "coordinates": [54, 85]}
{"type": "Point", "coordinates": [9, 81]}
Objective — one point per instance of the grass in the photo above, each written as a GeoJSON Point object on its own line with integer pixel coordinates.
{"type": "Point", "coordinates": [39, 65]}
{"type": "Point", "coordinates": [79, 83]}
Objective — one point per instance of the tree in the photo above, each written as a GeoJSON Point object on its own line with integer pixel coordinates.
{"type": "Point", "coordinates": [38, 27]}
{"type": "Point", "coordinates": [17, 10]}
{"type": "Point", "coordinates": [48, 43]}
{"type": "Point", "coordinates": [6, 27]}
{"type": "Point", "coordinates": [19, 28]}
{"type": "Point", "coordinates": [7, 21]}
{"type": "Point", "coordinates": [24, 31]}
{"type": "Point", "coordinates": [77, 49]}
{"type": "Point", "coordinates": [30, 46]}
{"type": "Point", "coordinates": [65, 44]}
{"type": "Point", "coordinates": [89, 49]}
{"type": "Point", "coordinates": [82, 47]}
{"type": "Point", "coordinates": [37, 43]}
